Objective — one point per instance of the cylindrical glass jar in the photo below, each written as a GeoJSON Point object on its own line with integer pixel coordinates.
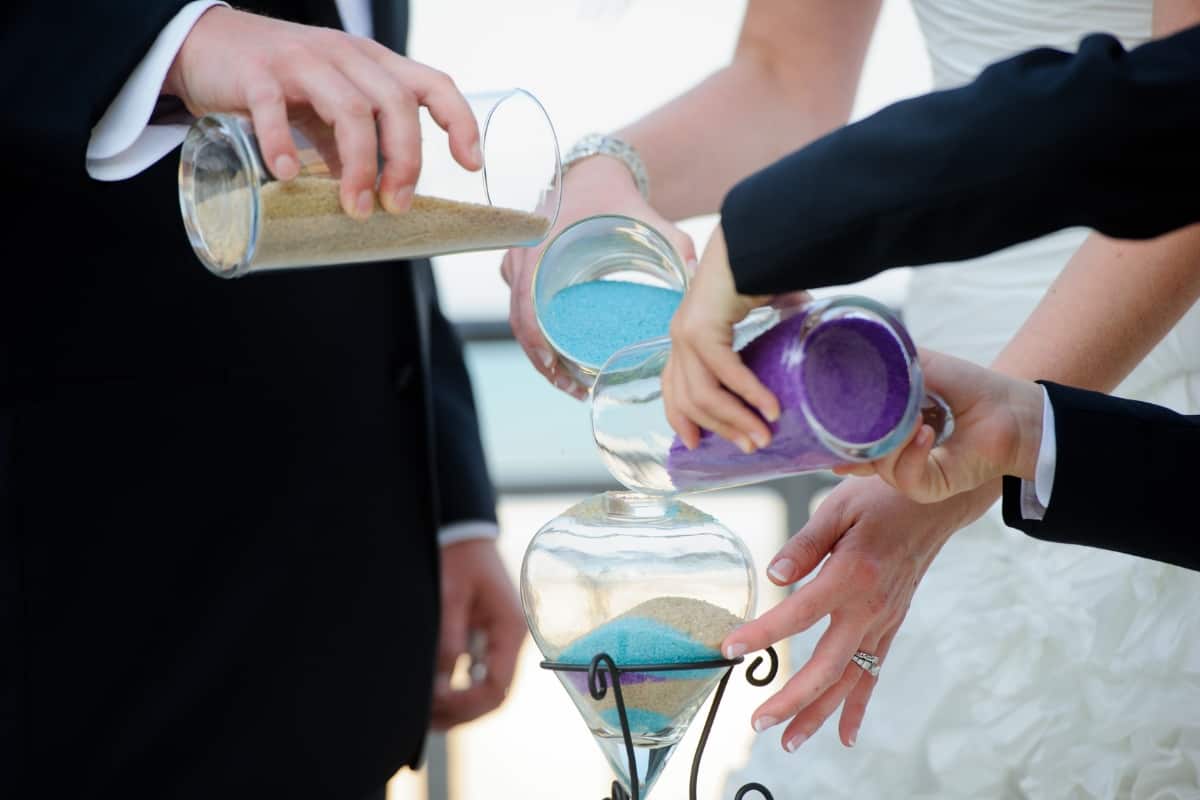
{"type": "Point", "coordinates": [643, 273]}
{"type": "Point", "coordinates": [844, 370]}
{"type": "Point", "coordinates": [647, 581]}
{"type": "Point", "coordinates": [240, 220]}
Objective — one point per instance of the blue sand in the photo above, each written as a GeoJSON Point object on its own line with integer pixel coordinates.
{"type": "Point", "coordinates": [638, 640]}
{"type": "Point", "coordinates": [592, 320]}
{"type": "Point", "coordinates": [641, 721]}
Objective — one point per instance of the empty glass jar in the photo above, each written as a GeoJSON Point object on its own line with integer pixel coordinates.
{"type": "Point", "coordinates": [240, 220]}
{"type": "Point", "coordinates": [845, 373]}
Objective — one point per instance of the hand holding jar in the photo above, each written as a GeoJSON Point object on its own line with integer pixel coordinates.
{"type": "Point", "coordinates": [234, 61]}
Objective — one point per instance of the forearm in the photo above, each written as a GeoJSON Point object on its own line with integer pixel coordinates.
{"type": "Point", "coordinates": [792, 79]}
{"type": "Point", "coordinates": [1108, 308]}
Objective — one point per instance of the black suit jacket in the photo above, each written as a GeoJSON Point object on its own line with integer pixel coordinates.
{"type": "Point", "coordinates": [218, 499]}
{"type": "Point", "coordinates": [1046, 140]}
{"type": "Point", "coordinates": [1122, 481]}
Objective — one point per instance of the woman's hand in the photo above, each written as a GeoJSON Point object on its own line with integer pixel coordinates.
{"type": "Point", "coordinates": [879, 545]}
{"type": "Point", "coordinates": [997, 431]}
{"type": "Point", "coordinates": [596, 185]}
{"type": "Point", "coordinates": [705, 382]}
{"type": "Point", "coordinates": [233, 61]}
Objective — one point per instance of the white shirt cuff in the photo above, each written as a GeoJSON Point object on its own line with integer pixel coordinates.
{"type": "Point", "coordinates": [468, 530]}
{"type": "Point", "coordinates": [1035, 497]}
{"type": "Point", "coordinates": [124, 143]}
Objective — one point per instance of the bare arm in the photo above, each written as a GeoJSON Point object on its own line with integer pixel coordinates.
{"type": "Point", "coordinates": [792, 78]}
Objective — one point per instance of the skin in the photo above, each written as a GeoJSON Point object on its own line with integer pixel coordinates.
{"type": "Point", "coordinates": [997, 432]}
{"type": "Point", "coordinates": [770, 104]}
{"type": "Point", "coordinates": [477, 598]}
{"type": "Point", "coordinates": [233, 61]}
{"type": "Point", "coordinates": [1111, 304]}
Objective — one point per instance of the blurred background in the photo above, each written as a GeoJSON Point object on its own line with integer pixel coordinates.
{"type": "Point", "coordinates": [595, 65]}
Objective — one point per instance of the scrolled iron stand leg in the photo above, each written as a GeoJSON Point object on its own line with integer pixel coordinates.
{"type": "Point", "coordinates": [754, 680]}
{"type": "Point", "coordinates": [598, 688]}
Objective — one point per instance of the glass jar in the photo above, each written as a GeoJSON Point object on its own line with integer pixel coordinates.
{"type": "Point", "coordinates": [844, 370]}
{"type": "Point", "coordinates": [584, 320]}
{"type": "Point", "coordinates": [240, 220]}
{"type": "Point", "coordinates": [647, 581]}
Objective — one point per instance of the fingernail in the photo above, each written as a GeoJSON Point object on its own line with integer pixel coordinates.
{"type": "Point", "coordinates": [744, 444]}
{"type": "Point", "coordinates": [735, 650]}
{"type": "Point", "coordinates": [782, 570]}
{"type": "Point", "coordinates": [477, 153]}
{"type": "Point", "coordinates": [546, 357]}
{"type": "Point", "coordinates": [852, 738]}
{"type": "Point", "coordinates": [366, 202]}
{"type": "Point", "coordinates": [926, 435]}
{"type": "Point", "coordinates": [691, 266]}
{"type": "Point", "coordinates": [402, 199]}
{"type": "Point", "coordinates": [562, 382]}
{"type": "Point", "coordinates": [285, 168]}
{"type": "Point", "coordinates": [761, 439]}
{"type": "Point", "coordinates": [772, 415]}
{"type": "Point", "coordinates": [793, 744]}
{"type": "Point", "coordinates": [764, 722]}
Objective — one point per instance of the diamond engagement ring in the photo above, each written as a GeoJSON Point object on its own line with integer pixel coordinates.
{"type": "Point", "coordinates": [868, 662]}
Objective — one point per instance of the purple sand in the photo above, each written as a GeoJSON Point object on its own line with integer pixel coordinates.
{"type": "Point", "coordinates": [855, 377]}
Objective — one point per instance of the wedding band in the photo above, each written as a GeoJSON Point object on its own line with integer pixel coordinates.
{"type": "Point", "coordinates": [868, 662]}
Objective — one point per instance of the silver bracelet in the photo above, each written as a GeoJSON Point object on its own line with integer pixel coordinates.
{"type": "Point", "coordinates": [602, 144]}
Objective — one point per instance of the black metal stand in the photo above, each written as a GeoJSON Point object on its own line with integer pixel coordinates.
{"type": "Point", "coordinates": [598, 687]}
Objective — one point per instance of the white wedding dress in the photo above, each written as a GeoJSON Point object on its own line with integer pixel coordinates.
{"type": "Point", "coordinates": [1024, 669]}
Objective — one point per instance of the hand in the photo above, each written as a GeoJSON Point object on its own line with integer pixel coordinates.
{"type": "Point", "coordinates": [880, 544]}
{"type": "Point", "coordinates": [705, 382]}
{"type": "Point", "coordinates": [997, 431]}
{"type": "Point", "coordinates": [596, 185]}
{"type": "Point", "coordinates": [479, 606]}
{"type": "Point", "coordinates": [233, 61]}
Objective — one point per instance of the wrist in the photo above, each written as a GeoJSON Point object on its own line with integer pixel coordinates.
{"type": "Point", "coordinates": [602, 170]}
{"type": "Point", "coordinates": [1026, 401]}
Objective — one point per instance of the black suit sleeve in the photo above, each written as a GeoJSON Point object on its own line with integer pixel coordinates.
{"type": "Point", "coordinates": [60, 68]}
{"type": "Point", "coordinates": [1122, 481]}
{"type": "Point", "coordinates": [1102, 138]}
{"type": "Point", "coordinates": [465, 490]}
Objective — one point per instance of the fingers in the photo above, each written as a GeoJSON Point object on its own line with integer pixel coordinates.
{"type": "Point", "coordinates": [688, 431]}
{"type": "Point", "coordinates": [497, 621]}
{"type": "Point", "coordinates": [437, 92]}
{"type": "Point", "coordinates": [399, 129]}
{"type": "Point", "coordinates": [798, 612]}
{"type": "Point", "coordinates": [803, 697]}
{"type": "Point", "coordinates": [700, 397]}
{"type": "Point", "coordinates": [737, 377]}
{"type": "Point", "coordinates": [812, 717]}
{"type": "Point", "coordinates": [914, 472]}
{"type": "Point", "coordinates": [352, 115]}
{"type": "Point", "coordinates": [855, 707]}
{"type": "Point", "coordinates": [268, 111]}
{"type": "Point", "coordinates": [516, 270]}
